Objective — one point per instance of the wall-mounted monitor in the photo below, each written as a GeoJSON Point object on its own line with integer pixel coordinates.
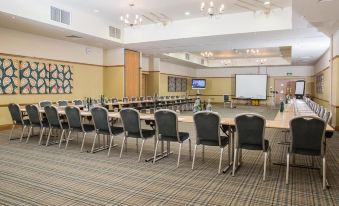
{"type": "Point", "coordinates": [251, 86]}
{"type": "Point", "coordinates": [198, 83]}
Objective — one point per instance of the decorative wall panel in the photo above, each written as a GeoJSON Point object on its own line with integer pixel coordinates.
{"type": "Point", "coordinates": [61, 81]}
{"type": "Point", "coordinates": [171, 84]}
{"type": "Point", "coordinates": [9, 76]}
{"type": "Point", "coordinates": [34, 78]}
{"type": "Point", "coordinates": [183, 85]}
{"type": "Point", "coordinates": [178, 84]}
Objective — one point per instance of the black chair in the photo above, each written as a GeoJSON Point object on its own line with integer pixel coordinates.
{"type": "Point", "coordinates": [208, 133]}
{"type": "Point", "coordinates": [102, 126]}
{"type": "Point", "coordinates": [227, 100]}
{"type": "Point", "coordinates": [73, 115]}
{"type": "Point", "coordinates": [251, 136]}
{"type": "Point", "coordinates": [35, 121]}
{"type": "Point", "coordinates": [14, 110]}
{"type": "Point", "coordinates": [62, 103]}
{"type": "Point", "coordinates": [166, 122]}
{"type": "Point", "coordinates": [308, 138]}
{"type": "Point", "coordinates": [45, 103]}
{"type": "Point", "coordinates": [132, 128]}
{"type": "Point", "coordinates": [78, 102]}
{"type": "Point", "coordinates": [54, 122]}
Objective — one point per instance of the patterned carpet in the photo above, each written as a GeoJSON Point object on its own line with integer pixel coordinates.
{"type": "Point", "coordinates": [39, 175]}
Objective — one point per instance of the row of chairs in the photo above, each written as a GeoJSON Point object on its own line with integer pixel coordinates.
{"type": "Point", "coordinates": [307, 132]}
{"type": "Point", "coordinates": [319, 110]}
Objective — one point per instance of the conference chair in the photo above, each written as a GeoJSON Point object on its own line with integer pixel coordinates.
{"type": "Point", "coordinates": [73, 115]}
{"type": "Point", "coordinates": [321, 111]}
{"type": "Point", "coordinates": [208, 134]}
{"type": "Point", "coordinates": [17, 119]}
{"type": "Point", "coordinates": [35, 121]}
{"type": "Point", "coordinates": [54, 122]}
{"type": "Point", "coordinates": [45, 103]}
{"type": "Point", "coordinates": [308, 138]}
{"type": "Point", "coordinates": [62, 103]}
{"type": "Point", "coordinates": [251, 136]}
{"type": "Point", "coordinates": [166, 122]}
{"type": "Point", "coordinates": [227, 100]}
{"type": "Point", "coordinates": [103, 127]}
{"type": "Point", "coordinates": [78, 102]}
{"type": "Point", "coordinates": [132, 128]}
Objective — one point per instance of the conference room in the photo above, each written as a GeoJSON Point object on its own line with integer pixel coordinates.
{"type": "Point", "coordinates": [146, 102]}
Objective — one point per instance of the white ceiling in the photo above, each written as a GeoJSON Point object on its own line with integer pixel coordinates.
{"type": "Point", "coordinates": [166, 9]}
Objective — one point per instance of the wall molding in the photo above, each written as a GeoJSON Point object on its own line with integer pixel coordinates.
{"type": "Point", "coordinates": [321, 71]}
{"type": "Point", "coordinates": [114, 66]}
{"type": "Point", "coordinates": [50, 60]}
{"type": "Point", "coordinates": [5, 127]}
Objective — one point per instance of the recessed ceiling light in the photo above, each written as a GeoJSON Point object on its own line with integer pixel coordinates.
{"type": "Point", "coordinates": [96, 11]}
{"type": "Point", "coordinates": [187, 13]}
{"type": "Point", "coordinates": [267, 3]}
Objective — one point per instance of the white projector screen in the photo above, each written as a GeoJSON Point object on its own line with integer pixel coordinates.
{"type": "Point", "coordinates": [299, 87]}
{"type": "Point", "coordinates": [251, 86]}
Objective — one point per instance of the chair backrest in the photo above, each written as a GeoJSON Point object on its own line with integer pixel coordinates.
{"type": "Point", "coordinates": [33, 114]}
{"type": "Point", "coordinates": [125, 99]}
{"type": "Point", "coordinates": [100, 119]}
{"type": "Point", "coordinates": [250, 130]}
{"type": "Point", "coordinates": [52, 115]}
{"type": "Point", "coordinates": [73, 117]}
{"type": "Point", "coordinates": [133, 99]}
{"type": "Point", "coordinates": [142, 98]}
{"type": "Point", "coordinates": [207, 127]}
{"type": "Point", "coordinates": [226, 98]}
{"type": "Point", "coordinates": [166, 122]}
{"type": "Point", "coordinates": [62, 103]}
{"type": "Point", "coordinates": [78, 102]}
{"type": "Point", "coordinates": [45, 103]}
{"type": "Point", "coordinates": [16, 114]}
{"type": "Point", "coordinates": [327, 117]}
{"type": "Point", "coordinates": [307, 135]}
{"type": "Point", "coordinates": [131, 120]}
{"type": "Point", "coordinates": [321, 112]}
{"type": "Point", "coordinates": [114, 100]}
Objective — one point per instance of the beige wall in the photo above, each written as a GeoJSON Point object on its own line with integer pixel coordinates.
{"type": "Point", "coordinates": [323, 98]}
{"type": "Point", "coordinates": [113, 81]}
{"type": "Point", "coordinates": [153, 82]}
{"type": "Point", "coordinates": [88, 82]}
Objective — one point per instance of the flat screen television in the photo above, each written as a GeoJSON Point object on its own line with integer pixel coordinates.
{"type": "Point", "coordinates": [198, 83]}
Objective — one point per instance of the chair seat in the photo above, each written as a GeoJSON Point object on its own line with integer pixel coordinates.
{"type": "Point", "coordinates": [88, 127]}
{"type": "Point", "coordinates": [255, 147]}
{"type": "Point", "coordinates": [146, 133]}
{"type": "Point", "coordinates": [224, 142]}
{"type": "Point", "coordinates": [117, 130]}
{"type": "Point", "coordinates": [182, 137]}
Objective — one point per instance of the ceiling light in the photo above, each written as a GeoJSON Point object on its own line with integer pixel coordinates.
{"type": "Point", "coordinates": [187, 13]}
{"type": "Point", "coordinates": [266, 3]}
{"type": "Point", "coordinates": [206, 54]}
{"type": "Point", "coordinates": [226, 62]}
{"type": "Point", "coordinates": [131, 19]}
{"type": "Point", "coordinates": [96, 11]}
{"type": "Point", "coordinates": [211, 10]}
{"type": "Point", "coordinates": [322, 1]}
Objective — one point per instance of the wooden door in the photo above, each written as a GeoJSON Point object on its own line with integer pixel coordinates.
{"type": "Point", "coordinates": [132, 73]}
{"type": "Point", "coordinates": [144, 85]}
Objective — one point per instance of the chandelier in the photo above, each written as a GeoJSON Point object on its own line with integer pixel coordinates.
{"type": "Point", "coordinates": [211, 10]}
{"type": "Point", "coordinates": [131, 19]}
{"type": "Point", "coordinates": [206, 54]}
{"type": "Point", "coordinates": [261, 61]}
{"type": "Point", "coordinates": [226, 62]}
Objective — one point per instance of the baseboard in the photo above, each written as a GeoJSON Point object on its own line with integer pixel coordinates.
{"type": "Point", "coordinates": [5, 127]}
{"type": "Point", "coordinates": [336, 128]}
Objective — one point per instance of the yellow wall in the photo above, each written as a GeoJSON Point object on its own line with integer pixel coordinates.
{"type": "Point", "coordinates": [88, 82]}
{"type": "Point", "coordinates": [153, 82]}
{"type": "Point", "coordinates": [113, 82]}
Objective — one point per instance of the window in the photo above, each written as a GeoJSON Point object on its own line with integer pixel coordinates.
{"type": "Point", "coordinates": [319, 83]}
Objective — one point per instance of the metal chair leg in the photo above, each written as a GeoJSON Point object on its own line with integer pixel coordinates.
{"type": "Point", "coordinates": [155, 151]}
{"type": "Point", "coordinates": [220, 160]}
{"type": "Point", "coordinates": [110, 145]}
{"type": "Point", "coordinates": [95, 137]}
{"type": "Point", "coordinates": [195, 150]}
{"type": "Point", "coordinates": [265, 163]}
{"type": "Point", "coordinates": [83, 142]}
{"type": "Point", "coordinates": [190, 148]}
{"type": "Point", "coordinates": [122, 145]}
{"type": "Point", "coordinates": [137, 144]}
{"type": "Point", "coordinates": [41, 135]}
{"type": "Point", "coordinates": [179, 155]}
{"type": "Point", "coordinates": [235, 162]}
{"type": "Point", "coordinates": [61, 137]}
{"type": "Point", "coordinates": [287, 167]}
{"type": "Point", "coordinates": [22, 133]}
{"type": "Point", "coordinates": [10, 136]}
{"type": "Point", "coordinates": [68, 138]}
{"type": "Point", "coordinates": [142, 147]}
{"type": "Point", "coordinates": [203, 153]}
{"type": "Point", "coordinates": [324, 173]}
{"type": "Point", "coordinates": [29, 134]}
{"type": "Point", "coordinates": [49, 136]}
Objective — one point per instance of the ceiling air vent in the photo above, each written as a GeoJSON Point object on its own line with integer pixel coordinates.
{"type": "Point", "coordinates": [60, 15]}
{"type": "Point", "coordinates": [73, 37]}
{"type": "Point", "coordinates": [114, 32]}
